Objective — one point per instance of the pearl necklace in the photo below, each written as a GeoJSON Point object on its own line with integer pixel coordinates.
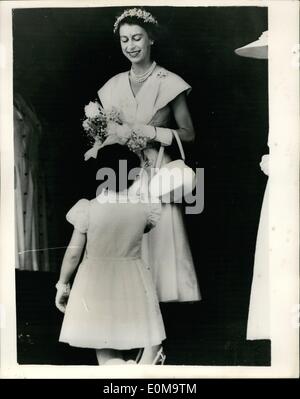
{"type": "Point", "coordinates": [141, 78]}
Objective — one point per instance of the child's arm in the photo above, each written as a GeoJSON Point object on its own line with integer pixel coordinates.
{"type": "Point", "coordinates": [72, 256]}
{"type": "Point", "coordinates": [69, 264]}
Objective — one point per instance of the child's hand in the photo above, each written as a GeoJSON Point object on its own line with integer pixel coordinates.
{"type": "Point", "coordinates": [61, 299]}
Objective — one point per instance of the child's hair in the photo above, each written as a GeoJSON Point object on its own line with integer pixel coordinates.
{"type": "Point", "coordinates": [113, 165]}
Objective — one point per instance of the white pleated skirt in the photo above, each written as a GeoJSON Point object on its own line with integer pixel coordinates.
{"type": "Point", "coordinates": [113, 304]}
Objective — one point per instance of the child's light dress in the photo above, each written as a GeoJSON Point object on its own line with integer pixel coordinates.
{"type": "Point", "coordinates": [113, 303]}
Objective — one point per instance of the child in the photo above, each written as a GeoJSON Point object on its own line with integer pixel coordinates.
{"type": "Point", "coordinates": [112, 306]}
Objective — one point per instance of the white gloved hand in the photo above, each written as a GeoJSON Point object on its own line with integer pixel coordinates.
{"type": "Point", "coordinates": [146, 131]}
{"type": "Point", "coordinates": [160, 134]}
{"type": "Point", "coordinates": [264, 164]}
{"type": "Point", "coordinates": [123, 132]}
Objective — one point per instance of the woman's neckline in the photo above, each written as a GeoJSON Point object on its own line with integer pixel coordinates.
{"type": "Point", "coordinates": [135, 95]}
{"type": "Point", "coordinates": [140, 78]}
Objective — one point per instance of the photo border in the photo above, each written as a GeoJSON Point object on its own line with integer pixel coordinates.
{"type": "Point", "coordinates": [283, 203]}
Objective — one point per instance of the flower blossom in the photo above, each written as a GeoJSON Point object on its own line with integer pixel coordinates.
{"type": "Point", "coordinates": [92, 110]}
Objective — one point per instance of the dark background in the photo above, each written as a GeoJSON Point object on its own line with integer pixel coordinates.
{"type": "Point", "coordinates": [61, 58]}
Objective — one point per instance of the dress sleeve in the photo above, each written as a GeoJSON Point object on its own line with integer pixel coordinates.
{"type": "Point", "coordinates": [78, 215]}
{"type": "Point", "coordinates": [170, 87]}
{"type": "Point", "coordinates": [153, 215]}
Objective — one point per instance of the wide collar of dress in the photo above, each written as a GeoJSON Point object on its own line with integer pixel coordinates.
{"type": "Point", "coordinates": [139, 108]}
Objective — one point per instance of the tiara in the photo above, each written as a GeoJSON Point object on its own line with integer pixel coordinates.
{"type": "Point", "coordinates": [137, 13]}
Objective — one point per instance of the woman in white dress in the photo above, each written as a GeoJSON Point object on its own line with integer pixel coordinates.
{"type": "Point", "coordinates": [258, 326]}
{"type": "Point", "coordinates": [147, 95]}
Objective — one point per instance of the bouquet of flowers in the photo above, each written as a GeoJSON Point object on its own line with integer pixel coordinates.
{"type": "Point", "coordinates": [99, 129]}
{"type": "Point", "coordinates": [97, 119]}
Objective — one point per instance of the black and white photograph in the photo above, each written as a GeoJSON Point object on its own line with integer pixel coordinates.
{"type": "Point", "coordinates": [147, 172]}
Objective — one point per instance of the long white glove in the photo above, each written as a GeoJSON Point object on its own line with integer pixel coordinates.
{"type": "Point", "coordinates": [160, 134]}
{"type": "Point", "coordinates": [117, 134]}
{"type": "Point", "coordinates": [122, 132]}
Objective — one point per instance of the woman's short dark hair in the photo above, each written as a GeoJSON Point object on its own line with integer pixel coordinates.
{"type": "Point", "coordinates": [120, 161]}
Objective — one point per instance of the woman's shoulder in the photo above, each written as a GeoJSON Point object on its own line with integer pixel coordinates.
{"type": "Point", "coordinates": [170, 78]}
{"type": "Point", "coordinates": [164, 72]}
{"type": "Point", "coordinates": [170, 86]}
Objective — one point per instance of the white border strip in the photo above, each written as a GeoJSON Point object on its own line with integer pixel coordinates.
{"type": "Point", "coordinates": [284, 185]}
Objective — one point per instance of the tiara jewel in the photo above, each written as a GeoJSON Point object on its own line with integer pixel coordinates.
{"type": "Point", "coordinates": [137, 13]}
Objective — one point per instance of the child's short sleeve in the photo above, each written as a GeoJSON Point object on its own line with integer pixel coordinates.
{"type": "Point", "coordinates": [153, 215]}
{"type": "Point", "coordinates": [78, 215]}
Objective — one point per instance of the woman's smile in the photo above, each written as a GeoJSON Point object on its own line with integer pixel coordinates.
{"type": "Point", "coordinates": [134, 53]}
{"type": "Point", "coordinates": [135, 44]}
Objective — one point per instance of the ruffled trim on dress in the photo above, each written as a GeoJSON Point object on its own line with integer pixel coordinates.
{"type": "Point", "coordinates": [78, 215]}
